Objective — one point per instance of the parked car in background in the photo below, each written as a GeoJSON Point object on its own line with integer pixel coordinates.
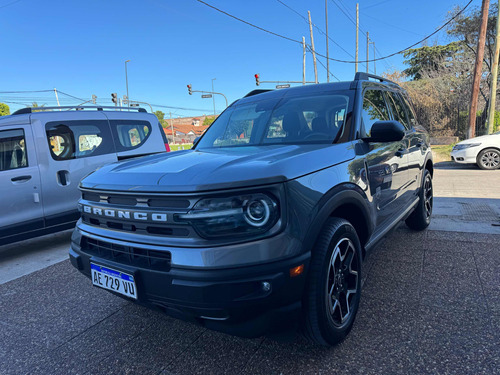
{"type": "Point", "coordinates": [267, 220]}
{"type": "Point", "coordinates": [483, 151]}
{"type": "Point", "coordinates": [45, 152]}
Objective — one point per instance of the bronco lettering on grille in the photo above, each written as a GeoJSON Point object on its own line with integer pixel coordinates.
{"type": "Point", "coordinates": [124, 214]}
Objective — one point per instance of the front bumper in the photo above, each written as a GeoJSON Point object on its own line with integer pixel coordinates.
{"type": "Point", "coordinates": [466, 156]}
{"type": "Point", "coordinates": [231, 300]}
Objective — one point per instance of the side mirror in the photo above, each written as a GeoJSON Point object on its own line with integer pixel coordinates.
{"type": "Point", "coordinates": [196, 140]}
{"type": "Point", "coordinates": [386, 131]}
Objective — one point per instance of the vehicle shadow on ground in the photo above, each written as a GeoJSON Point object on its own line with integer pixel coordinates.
{"type": "Point", "coordinates": [453, 165]}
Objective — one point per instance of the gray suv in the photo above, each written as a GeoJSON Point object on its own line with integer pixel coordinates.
{"type": "Point", "coordinates": [265, 223]}
{"type": "Point", "coordinates": [45, 152]}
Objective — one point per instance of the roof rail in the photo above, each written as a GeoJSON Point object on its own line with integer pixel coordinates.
{"type": "Point", "coordinates": [362, 76]}
{"type": "Point", "coordinates": [76, 108]}
{"type": "Point", "coordinates": [256, 92]}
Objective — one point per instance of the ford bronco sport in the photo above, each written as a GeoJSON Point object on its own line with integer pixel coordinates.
{"type": "Point", "coordinates": [266, 221]}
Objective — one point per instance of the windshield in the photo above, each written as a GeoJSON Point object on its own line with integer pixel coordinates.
{"type": "Point", "coordinates": [290, 120]}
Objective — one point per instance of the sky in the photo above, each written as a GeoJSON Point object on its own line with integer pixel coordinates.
{"type": "Point", "coordinates": [80, 48]}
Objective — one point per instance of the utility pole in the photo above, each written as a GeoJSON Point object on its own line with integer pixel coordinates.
{"type": "Point", "coordinates": [57, 97]}
{"type": "Point", "coordinates": [304, 61]}
{"type": "Point", "coordinates": [213, 97]}
{"type": "Point", "coordinates": [374, 62]}
{"type": "Point", "coordinates": [327, 58]}
{"type": "Point", "coordinates": [313, 50]}
{"type": "Point", "coordinates": [478, 68]}
{"type": "Point", "coordinates": [126, 83]}
{"type": "Point", "coordinates": [172, 128]}
{"type": "Point", "coordinates": [494, 77]}
{"type": "Point", "coordinates": [367, 50]}
{"type": "Point", "coordinates": [357, 37]}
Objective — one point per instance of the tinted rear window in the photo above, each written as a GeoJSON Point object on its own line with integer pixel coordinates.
{"type": "Point", "coordinates": [130, 134]}
{"type": "Point", "coordinates": [78, 139]}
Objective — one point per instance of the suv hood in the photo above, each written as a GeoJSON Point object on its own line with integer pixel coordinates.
{"type": "Point", "coordinates": [222, 168]}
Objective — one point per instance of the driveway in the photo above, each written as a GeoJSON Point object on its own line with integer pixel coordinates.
{"type": "Point", "coordinates": [430, 305]}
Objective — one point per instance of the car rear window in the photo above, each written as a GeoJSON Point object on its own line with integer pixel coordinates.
{"type": "Point", "coordinates": [130, 134]}
{"type": "Point", "coordinates": [78, 139]}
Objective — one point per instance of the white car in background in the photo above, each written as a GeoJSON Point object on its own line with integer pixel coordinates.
{"type": "Point", "coordinates": [483, 151]}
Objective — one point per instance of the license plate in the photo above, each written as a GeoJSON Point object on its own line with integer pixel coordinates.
{"type": "Point", "coordinates": [116, 281]}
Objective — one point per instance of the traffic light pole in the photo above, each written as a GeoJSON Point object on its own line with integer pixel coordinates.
{"type": "Point", "coordinates": [213, 93]}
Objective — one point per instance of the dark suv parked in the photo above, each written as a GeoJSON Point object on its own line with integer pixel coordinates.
{"type": "Point", "coordinates": [267, 220]}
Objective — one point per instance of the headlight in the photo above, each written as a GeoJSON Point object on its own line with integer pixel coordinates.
{"type": "Point", "coordinates": [465, 145]}
{"type": "Point", "coordinates": [239, 215]}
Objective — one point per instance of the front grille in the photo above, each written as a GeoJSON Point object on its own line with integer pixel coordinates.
{"type": "Point", "coordinates": [131, 255]}
{"type": "Point", "coordinates": [139, 200]}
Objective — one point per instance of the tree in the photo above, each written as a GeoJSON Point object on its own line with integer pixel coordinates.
{"type": "Point", "coordinates": [4, 109]}
{"type": "Point", "coordinates": [429, 58]}
{"type": "Point", "coordinates": [208, 120]}
{"type": "Point", "coordinates": [160, 115]}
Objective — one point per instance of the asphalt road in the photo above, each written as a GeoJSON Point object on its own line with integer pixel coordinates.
{"type": "Point", "coordinates": [430, 305]}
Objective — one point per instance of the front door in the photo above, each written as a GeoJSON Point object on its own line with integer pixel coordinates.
{"type": "Point", "coordinates": [387, 163]}
{"type": "Point", "coordinates": [20, 198]}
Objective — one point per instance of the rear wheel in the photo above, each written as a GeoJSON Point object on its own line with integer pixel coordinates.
{"type": "Point", "coordinates": [420, 218]}
{"type": "Point", "coordinates": [489, 159]}
{"type": "Point", "coordinates": [334, 285]}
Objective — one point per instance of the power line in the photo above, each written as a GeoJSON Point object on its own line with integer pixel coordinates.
{"type": "Point", "coordinates": [248, 23]}
{"type": "Point", "coordinates": [71, 96]}
{"type": "Point", "coordinates": [11, 3]}
{"type": "Point", "coordinates": [324, 66]}
{"type": "Point", "coordinates": [346, 61]}
{"type": "Point", "coordinates": [317, 28]}
{"type": "Point", "coordinates": [391, 25]}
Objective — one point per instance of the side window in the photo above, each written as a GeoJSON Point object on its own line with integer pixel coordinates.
{"type": "Point", "coordinates": [374, 109]}
{"type": "Point", "coordinates": [411, 115]}
{"type": "Point", "coordinates": [130, 134]}
{"type": "Point", "coordinates": [397, 108]}
{"type": "Point", "coordinates": [13, 152]}
{"type": "Point", "coordinates": [78, 139]}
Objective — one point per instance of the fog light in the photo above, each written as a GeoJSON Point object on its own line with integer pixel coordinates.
{"type": "Point", "coordinates": [266, 286]}
{"type": "Point", "coordinates": [296, 271]}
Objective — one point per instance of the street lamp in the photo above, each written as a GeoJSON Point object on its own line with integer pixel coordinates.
{"type": "Point", "coordinates": [213, 97]}
{"type": "Point", "coordinates": [126, 82]}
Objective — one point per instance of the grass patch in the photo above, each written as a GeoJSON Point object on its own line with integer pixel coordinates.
{"type": "Point", "coordinates": [442, 152]}
{"type": "Point", "coordinates": [185, 146]}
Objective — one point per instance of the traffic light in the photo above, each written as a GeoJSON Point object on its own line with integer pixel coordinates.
{"type": "Point", "coordinates": [94, 98]}
{"type": "Point", "coordinates": [114, 97]}
{"type": "Point", "coordinates": [257, 82]}
{"type": "Point", "coordinates": [190, 90]}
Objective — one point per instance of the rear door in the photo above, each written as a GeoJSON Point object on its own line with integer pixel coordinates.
{"type": "Point", "coordinates": [20, 201]}
{"type": "Point", "coordinates": [71, 148]}
{"type": "Point", "coordinates": [136, 134]}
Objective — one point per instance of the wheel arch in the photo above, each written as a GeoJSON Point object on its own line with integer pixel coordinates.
{"type": "Point", "coordinates": [487, 148]}
{"type": "Point", "coordinates": [346, 201]}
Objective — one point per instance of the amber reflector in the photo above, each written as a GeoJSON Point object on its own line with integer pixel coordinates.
{"type": "Point", "coordinates": [296, 271]}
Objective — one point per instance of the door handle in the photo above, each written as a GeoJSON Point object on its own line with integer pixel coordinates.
{"type": "Point", "coordinates": [62, 178]}
{"type": "Point", "coordinates": [402, 151]}
{"type": "Point", "coordinates": [20, 178]}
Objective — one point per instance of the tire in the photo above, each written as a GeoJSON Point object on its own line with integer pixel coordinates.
{"type": "Point", "coordinates": [324, 322]}
{"type": "Point", "coordinates": [489, 159]}
{"type": "Point", "coordinates": [420, 218]}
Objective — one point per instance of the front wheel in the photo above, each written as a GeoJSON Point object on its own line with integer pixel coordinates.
{"type": "Point", "coordinates": [334, 284]}
{"type": "Point", "coordinates": [489, 159]}
{"type": "Point", "coordinates": [420, 218]}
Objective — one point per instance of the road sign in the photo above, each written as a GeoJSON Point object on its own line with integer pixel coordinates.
{"type": "Point", "coordinates": [206, 96]}
{"type": "Point", "coordinates": [283, 86]}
